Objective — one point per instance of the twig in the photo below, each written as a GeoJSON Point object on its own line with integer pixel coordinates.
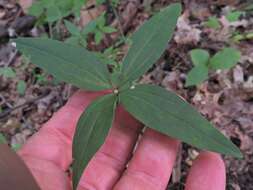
{"type": "Point", "coordinates": [176, 174]}
{"type": "Point", "coordinates": [86, 8]}
{"type": "Point", "coordinates": [50, 30]}
{"type": "Point", "coordinates": [12, 57]}
{"type": "Point", "coordinates": [7, 112]}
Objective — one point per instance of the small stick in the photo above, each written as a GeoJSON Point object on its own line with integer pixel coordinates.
{"type": "Point", "coordinates": [7, 112]}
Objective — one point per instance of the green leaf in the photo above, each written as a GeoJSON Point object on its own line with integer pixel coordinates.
{"type": "Point", "coordinates": [48, 3]}
{"type": "Point", "coordinates": [77, 41]}
{"type": "Point", "coordinates": [21, 87]}
{"type": "Point", "coordinates": [78, 4]}
{"type": "Point", "coordinates": [234, 16]}
{"type": "Point", "coordinates": [98, 37]}
{"type": "Point", "coordinates": [53, 14]}
{"type": "Point", "coordinates": [149, 42]}
{"type": "Point", "coordinates": [108, 29]}
{"type": "Point", "coordinates": [16, 147]}
{"type": "Point", "coordinates": [2, 139]}
{"type": "Point", "coordinates": [67, 63]}
{"type": "Point", "coordinates": [199, 57]}
{"type": "Point", "coordinates": [89, 28]}
{"type": "Point", "coordinates": [72, 28]}
{"type": "Point", "coordinates": [99, 2]}
{"type": "Point", "coordinates": [197, 75]}
{"type": "Point", "coordinates": [225, 59]}
{"type": "Point", "coordinates": [212, 22]}
{"type": "Point", "coordinates": [36, 9]}
{"type": "Point", "coordinates": [73, 40]}
{"type": "Point", "coordinates": [92, 129]}
{"type": "Point", "coordinates": [100, 21]}
{"type": "Point", "coordinates": [165, 112]}
{"type": "Point", "coordinates": [7, 72]}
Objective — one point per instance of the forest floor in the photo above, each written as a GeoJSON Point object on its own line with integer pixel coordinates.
{"type": "Point", "coordinates": [226, 98]}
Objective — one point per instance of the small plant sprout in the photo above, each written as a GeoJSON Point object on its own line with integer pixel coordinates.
{"type": "Point", "coordinates": [234, 16]}
{"type": "Point", "coordinates": [2, 139]}
{"type": "Point", "coordinates": [213, 22]}
{"type": "Point", "coordinates": [224, 59]}
{"type": "Point", "coordinates": [152, 105]}
{"type": "Point", "coordinates": [54, 10]}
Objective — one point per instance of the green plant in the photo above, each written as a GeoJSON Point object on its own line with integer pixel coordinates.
{"type": "Point", "coordinates": [97, 27]}
{"type": "Point", "coordinates": [234, 16]}
{"type": "Point", "coordinates": [8, 72]}
{"type": "Point", "coordinates": [212, 22]}
{"type": "Point", "coordinates": [54, 10]}
{"type": "Point", "coordinates": [112, 2]}
{"type": "Point", "coordinates": [100, 28]}
{"type": "Point", "coordinates": [154, 106]}
{"type": "Point", "coordinates": [78, 36]}
{"type": "Point", "coordinates": [237, 37]}
{"type": "Point", "coordinates": [224, 59]}
{"type": "Point", "coordinates": [21, 87]}
{"type": "Point", "coordinates": [2, 139]}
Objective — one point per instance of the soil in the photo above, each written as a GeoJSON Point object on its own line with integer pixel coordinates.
{"type": "Point", "coordinates": [226, 98]}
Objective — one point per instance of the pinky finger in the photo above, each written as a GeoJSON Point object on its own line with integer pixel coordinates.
{"type": "Point", "coordinates": [207, 173]}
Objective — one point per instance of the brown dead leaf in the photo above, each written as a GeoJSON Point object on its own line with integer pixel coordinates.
{"type": "Point", "coordinates": [25, 4]}
{"type": "Point", "coordinates": [89, 14]}
{"type": "Point", "coordinates": [186, 33]}
{"type": "Point", "coordinates": [238, 74]}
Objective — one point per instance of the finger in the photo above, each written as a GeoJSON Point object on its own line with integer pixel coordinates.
{"type": "Point", "coordinates": [152, 163]}
{"type": "Point", "coordinates": [207, 173]}
{"type": "Point", "coordinates": [53, 142]}
{"type": "Point", "coordinates": [109, 162]}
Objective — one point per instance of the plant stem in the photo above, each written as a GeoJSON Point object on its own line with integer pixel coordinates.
{"type": "Point", "coordinates": [50, 30]}
{"type": "Point", "coordinates": [118, 18]}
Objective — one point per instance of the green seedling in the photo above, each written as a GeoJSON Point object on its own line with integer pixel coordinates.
{"type": "Point", "coordinates": [21, 87]}
{"type": "Point", "coordinates": [242, 36]}
{"type": "Point", "coordinates": [109, 57]}
{"type": "Point", "coordinates": [224, 59]}
{"type": "Point", "coordinates": [7, 72]}
{"type": "Point", "coordinates": [152, 105]}
{"type": "Point", "coordinates": [54, 10]}
{"type": "Point", "coordinates": [212, 22]}
{"type": "Point", "coordinates": [114, 3]}
{"type": "Point", "coordinates": [2, 139]}
{"type": "Point", "coordinates": [78, 37]}
{"type": "Point", "coordinates": [97, 27]}
{"type": "Point", "coordinates": [234, 16]}
{"type": "Point", "coordinates": [101, 29]}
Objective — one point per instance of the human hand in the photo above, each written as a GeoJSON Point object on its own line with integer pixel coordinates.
{"type": "Point", "coordinates": [48, 155]}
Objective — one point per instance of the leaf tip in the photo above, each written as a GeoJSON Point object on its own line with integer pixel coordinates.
{"type": "Point", "coordinates": [237, 153]}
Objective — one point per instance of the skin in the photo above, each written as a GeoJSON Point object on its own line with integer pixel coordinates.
{"type": "Point", "coordinates": [48, 155]}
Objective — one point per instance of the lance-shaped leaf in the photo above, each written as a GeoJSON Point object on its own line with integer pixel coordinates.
{"type": "Point", "coordinates": [149, 42]}
{"type": "Point", "coordinates": [92, 129]}
{"type": "Point", "coordinates": [70, 64]}
{"type": "Point", "coordinates": [167, 113]}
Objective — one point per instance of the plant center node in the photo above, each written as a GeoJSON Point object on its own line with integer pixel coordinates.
{"type": "Point", "coordinates": [115, 91]}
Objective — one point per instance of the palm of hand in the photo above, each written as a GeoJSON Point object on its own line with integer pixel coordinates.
{"type": "Point", "coordinates": [48, 155]}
